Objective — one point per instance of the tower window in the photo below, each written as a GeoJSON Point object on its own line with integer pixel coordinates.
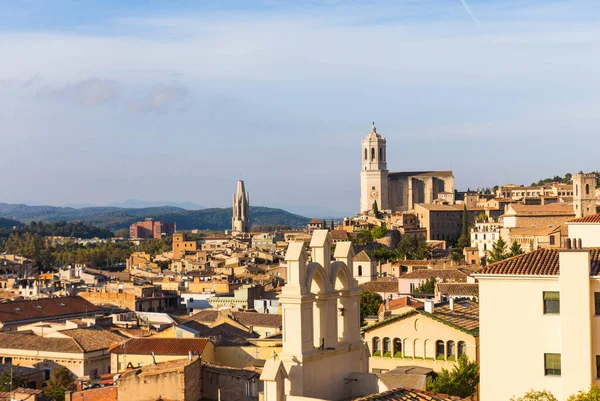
{"type": "Point", "coordinates": [587, 189]}
{"type": "Point", "coordinates": [380, 154]}
{"type": "Point", "coordinates": [366, 154]}
{"type": "Point", "coordinates": [372, 154]}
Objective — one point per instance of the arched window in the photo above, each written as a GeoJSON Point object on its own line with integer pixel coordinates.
{"type": "Point", "coordinates": [376, 346]}
{"type": "Point", "coordinates": [360, 270]}
{"type": "Point", "coordinates": [451, 350]}
{"type": "Point", "coordinates": [372, 154]}
{"type": "Point", "coordinates": [387, 347]}
{"type": "Point", "coordinates": [440, 352]}
{"type": "Point", "coordinates": [587, 189]}
{"type": "Point", "coordinates": [462, 348]}
{"type": "Point", "coordinates": [380, 154]}
{"type": "Point", "coordinates": [576, 190]}
{"type": "Point", "coordinates": [397, 347]}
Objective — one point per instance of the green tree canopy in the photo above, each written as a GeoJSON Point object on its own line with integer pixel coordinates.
{"type": "Point", "coordinates": [8, 380]}
{"type": "Point", "coordinates": [369, 304]}
{"type": "Point", "coordinates": [461, 381]}
{"type": "Point", "coordinates": [61, 380]}
{"type": "Point", "coordinates": [379, 232]}
{"type": "Point", "coordinates": [375, 209]}
{"type": "Point", "coordinates": [533, 395]}
{"type": "Point", "coordinates": [498, 251]}
{"type": "Point", "coordinates": [515, 249]}
{"type": "Point", "coordinates": [426, 287]}
{"type": "Point", "coordinates": [593, 394]}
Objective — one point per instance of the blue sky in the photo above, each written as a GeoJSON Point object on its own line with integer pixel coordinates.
{"type": "Point", "coordinates": [102, 101]}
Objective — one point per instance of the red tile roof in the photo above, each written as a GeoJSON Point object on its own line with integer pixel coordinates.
{"type": "Point", "coordinates": [407, 394]}
{"type": "Point", "coordinates": [250, 319]}
{"type": "Point", "coordinates": [400, 303]}
{"type": "Point", "coordinates": [380, 286]}
{"type": "Point", "coordinates": [541, 262]}
{"type": "Point", "coordinates": [161, 346]}
{"type": "Point", "coordinates": [593, 218]}
{"type": "Point", "coordinates": [46, 309]}
{"type": "Point", "coordinates": [445, 274]}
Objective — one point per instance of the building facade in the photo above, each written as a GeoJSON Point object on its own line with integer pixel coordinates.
{"type": "Point", "coordinates": [150, 228]}
{"type": "Point", "coordinates": [397, 191]}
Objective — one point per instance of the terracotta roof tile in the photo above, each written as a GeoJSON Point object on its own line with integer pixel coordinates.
{"type": "Point", "coordinates": [444, 274]}
{"type": "Point", "coordinates": [593, 218]}
{"type": "Point", "coordinates": [93, 339]}
{"type": "Point", "coordinates": [46, 308]}
{"type": "Point", "coordinates": [541, 262]}
{"type": "Point", "coordinates": [380, 286]}
{"type": "Point", "coordinates": [401, 302]}
{"type": "Point", "coordinates": [459, 289]}
{"type": "Point", "coordinates": [258, 319]}
{"type": "Point", "coordinates": [161, 346]}
{"type": "Point", "coordinates": [32, 342]}
{"type": "Point", "coordinates": [407, 394]}
{"type": "Point", "coordinates": [362, 256]}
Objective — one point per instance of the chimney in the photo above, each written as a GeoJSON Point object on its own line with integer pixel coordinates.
{"type": "Point", "coordinates": [451, 303]}
{"type": "Point", "coordinates": [429, 306]}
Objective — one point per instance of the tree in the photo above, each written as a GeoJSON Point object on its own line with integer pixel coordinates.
{"type": "Point", "coordinates": [426, 287]}
{"type": "Point", "coordinates": [515, 249]}
{"type": "Point", "coordinates": [533, 395]}
{"type": "Point", "coordinates": [461, 381]}
{"type": "Point", "coordinates": [482, 216]}
{"type": "Point", "coordinates": [498, 251]}
{"type": "Point", "coordinates": [8, 380]}
{"type": "Point", "coordinates": [332, 225]}
{"type": "Point", "coordinates": [363, 237]}
{"type": "Point", "coordinates": [369, 304]}
{"type": "Point", "coordinates": [379, 232]}
{"type": "Point", "coordinates": [464, 239]}
{"type": "Point", "coordinates": [61, 380]}
{"type": "Point", "coordinates": [593, 394]}
{"type": "Point", "coordinates": [375, 209]}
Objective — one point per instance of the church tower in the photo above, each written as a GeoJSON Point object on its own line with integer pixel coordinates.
{"type": "Point", "coordinates": [374, 173]}
{"type": "Point", "coordinates": [240, 222]}
{"type": "Point", "coordinates": [584, 194]}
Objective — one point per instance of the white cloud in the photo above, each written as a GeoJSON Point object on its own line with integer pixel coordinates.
{"type": "Point", "coordinates": [88, 92]}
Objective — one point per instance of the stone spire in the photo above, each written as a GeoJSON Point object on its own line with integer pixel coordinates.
{"type": "Point", "coordinates": [240, 221]}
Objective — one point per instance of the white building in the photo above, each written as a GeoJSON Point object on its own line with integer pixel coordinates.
{"type": "Point", "coordinates": [539, 326]}
{"type": "Point", "coordinates": [484, 234]}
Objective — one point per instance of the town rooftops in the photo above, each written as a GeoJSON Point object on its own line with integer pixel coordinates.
{"type": "Point", "coordinates": [438, 207]}
{"type": "Point", "coordinates": [591, 219]}
{"type": "Point", "coordinates": [45, 309]}
{"type": "Point", "coordinates": [362, 256]}
{"type": "Point", "coordinates": [315, 221]}
{"type": "Point", "coordinates": [541, 262]}
{"type": "Point", "coordinates": [400, 302]}
{"type": "Point", "coordinates": [250, 319]}
{"type": "Point", "coordinates": [553, 209]}
{"type": "Point", "coordinates": [464, 316]}
{"type": "Point", "coordinates": [161, 346]}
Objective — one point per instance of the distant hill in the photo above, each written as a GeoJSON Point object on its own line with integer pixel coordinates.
{"type": "Point", "coordinates": [9, 223]}
{"type": "Point", "coordinates": [137, 203]}
{"type": "Point", "coordinates": [114, 218]}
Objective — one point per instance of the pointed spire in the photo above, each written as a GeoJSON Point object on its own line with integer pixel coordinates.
{"type": "Point", "coordinates": [373, 128]}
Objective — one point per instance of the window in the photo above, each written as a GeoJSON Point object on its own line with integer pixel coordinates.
{"type": "Point", "coordinates": [552, 240]}
{"type": "Point", "coordinates": [462, 348]}
{"type": "Point", "coordinates": [376, 345]}
{"type": "Point", "coordinates": [439, 349]}
{"type": "Point", "coordinates": [8, 360]}
{"type": "Point", "coordinates": [587, 189]}
{"type": "Point", "coordinates": [552, 364]}
{"type": "Point", "coordinates": [597, 366]}
{"type": "Point", "coordinates": [360, 270]}
{"type": "Point", "coordinates": [387, 347]}
{"type": "Point", "coordinates": [551, 302]}
{"type": "Point", "coordinates": [366, 155]}
{"type": "Point", "coordinates": [412, 287]}
{"type": "Point", "coordinates": [372, 154]}
{"type": "Point", "coordinates": [46, 374]}
{"type": "Point", "coordinates": [597, 303]}
{"type": "Point", "coordinates": [451, 349]}
{"type": "Point", "coordinates": [397, 347]}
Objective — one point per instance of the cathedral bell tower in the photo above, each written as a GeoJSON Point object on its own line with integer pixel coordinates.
{"type": "Point", "coordinates": [374, 173]}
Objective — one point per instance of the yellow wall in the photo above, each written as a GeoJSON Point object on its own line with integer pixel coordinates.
{"type": "Point", "coordinates": [240, 357]}
{"type": "Point", "coordinates": [419, 335]}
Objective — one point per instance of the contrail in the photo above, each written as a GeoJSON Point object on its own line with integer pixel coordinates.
{"type": "Point", "coordinates": [466, 6]}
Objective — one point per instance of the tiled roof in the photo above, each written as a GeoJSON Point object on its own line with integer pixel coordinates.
{"type": "Point", "coordinates": [93, 339]}
{"type": "Point", "coordinates": [258, 319]}
{"type": "Point", "coordinates": [459, 289]}
{"type": "Point", "coordinates": [407, 394]}
{"type": "Point", "coordinates": [338, 235]}
{"type": "Point", "coordinates": [541, 262]}
{"type": "Point", "coordinates": [46, 308]}
{"type": "Point", "coordinates": [533, 231]}
{"type": "Point", "coordinates": [362, 256]}
{"type": "Point", "coordinates": [380, 286]}
{"type": "Point", "coordinates": [553, 209]}
{"type": "Point", "coordinates": [412, 262]}
{"type": "Point", "coordinates": [205, 316]}
{"type": "Point", "coordinates": [444, 274]}
{"type": "Point", "coordinates": [593, 218]}
{"type": "Point", "coordinates": [315, 221]}
{"type": "Point", "coordinates": [244, 374]}
{"type": "Point", "coordinates": [226, 334]}
{"type": "Point", "coordinates": [32, 342]}
{"type": "Point", "coordinates": [161, 346]}
{"type": "Point", "coordinates": [464, 317]}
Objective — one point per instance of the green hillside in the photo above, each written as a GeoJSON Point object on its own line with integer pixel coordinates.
{"type": "Point", "coordinates": [114, 218]}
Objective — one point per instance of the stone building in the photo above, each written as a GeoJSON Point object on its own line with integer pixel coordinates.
{"type": "Point", "coordinates": [240, 222]}
{"type": "Point", "coordinates": [397, 191]}
{"type": "Point", "coordinates": [584, 194]}
{"type": "Point", "coordinates": [151, 229]}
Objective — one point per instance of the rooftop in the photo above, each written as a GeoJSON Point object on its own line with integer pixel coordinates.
{"type": "Point", "coordinates": [362, 256]}
{"type": "Point", "coordinates": [380, 286]}
{"type": "Point", "coordinates": [45, 308]}
{"type": "Point", "coordinates": [444, 274]}
{"type": "Point", "coordinates": [592, 219]}
{"type": "Point", "coordinates": [407, 394]}
{"type": "Point", "coordinates": [541, 262]}
{"type": "Point", "coordinates": [459, 289]}
{"type": "Point", "coordinates": [161, 346]}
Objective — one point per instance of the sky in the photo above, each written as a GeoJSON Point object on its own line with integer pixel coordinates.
{"type": "Point", "coordinates": [103, 101]}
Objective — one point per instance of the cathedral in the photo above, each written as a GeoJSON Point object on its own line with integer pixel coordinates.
{"type": "Point", "coordinates": [398, 191]}
{"type": "Point", "coordinates": [240, 222]}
